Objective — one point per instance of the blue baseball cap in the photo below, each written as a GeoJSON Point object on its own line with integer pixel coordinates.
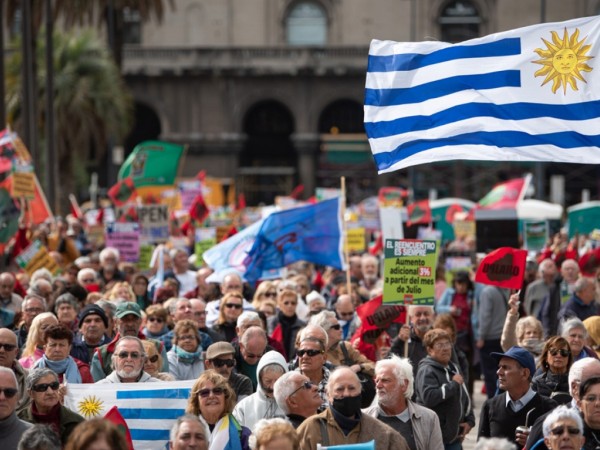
{"type": "Point", "coordinates": [520, 355]}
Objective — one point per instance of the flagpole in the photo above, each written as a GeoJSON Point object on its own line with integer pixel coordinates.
{"type": "Point", "coordinates": [345, 236]}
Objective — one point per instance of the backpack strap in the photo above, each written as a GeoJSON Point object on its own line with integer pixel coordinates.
{"type": "Point", "coordinates": [347, 359]}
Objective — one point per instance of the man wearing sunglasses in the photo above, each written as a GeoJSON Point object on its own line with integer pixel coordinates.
{"type": "Point", "coordinates": [220, 358]}
{"type": "Point", "coordinates": [297, 397]}
{"type": "Point", "coordinates": [128, 363]}
{"type": "Point", "coordinates": [8, 355]}
{"type": "Point", "coordinates": [11, 427]}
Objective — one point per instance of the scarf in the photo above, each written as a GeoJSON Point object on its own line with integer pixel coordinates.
{"type": "Point", "coordinates": [226, 434]}
{"type": "Point", "coordinates": [187, 357]}
{"type": "Point", "coordinates": [67, 366]}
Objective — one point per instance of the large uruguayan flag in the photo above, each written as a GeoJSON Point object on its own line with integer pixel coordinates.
{"type": "Point", "coordinates": [150, 409]}
{"type": "Point", "coordinates": [531, 94]}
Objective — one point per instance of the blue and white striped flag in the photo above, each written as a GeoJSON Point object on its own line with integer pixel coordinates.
{"type": "Point", "coordinates": [150, 409]}
{"type": "Point", "coordinates": [531, 94]}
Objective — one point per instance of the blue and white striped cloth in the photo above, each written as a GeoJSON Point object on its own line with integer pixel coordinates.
{"type": "Point", "coordinates": [150, 409]}
{"type": "Point", "coordinates": [503, 97]}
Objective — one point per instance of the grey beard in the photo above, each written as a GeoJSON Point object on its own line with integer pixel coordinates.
{"type": "Point", "coordinates": [123, 374]}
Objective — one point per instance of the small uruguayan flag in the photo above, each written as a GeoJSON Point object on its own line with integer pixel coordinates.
{"type": "Point", "coordinates": [531, 94]}
{"type": "Point", "coordinates": [150, 409]}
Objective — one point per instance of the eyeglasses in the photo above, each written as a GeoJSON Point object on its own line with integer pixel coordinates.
{"type": "Point", "coordinates": [155, 319]}
{"type": "Point", "coordinates": [204, 393]}
{"type": "Point", "coordinates": [442, 345]}
{"type": "Point", "coordinates": [223, 362]}
{"type": "Point", "coordinates": [306, 385]}
{"type": "Point", "coordinates": [309, 352]}
{"type": "Point", "coordinates": [9, 392]}
{"type": "Point", "coordinates": [43, 387]}
{"type": "Point", "coordinates": [591, 398]}
{"type": "Point", "coordinates": [8, 347]}
{"type": "Point", "coordinates": [270, 294]}
{"type": "Point", "coordinates": [337, 326]}
{"type": "Point", "coordinates": [132, 355]}
{"type": "Point", "coordinates": [558, 431]}
{"type": "Point", "coordinates": [563, 352]}
{"type": "Point", "coordinates": [233, 305]}
{"type": "Point", "coordinates": [153, 358]}
{"type": "Point", "coordinates": [186, 337]}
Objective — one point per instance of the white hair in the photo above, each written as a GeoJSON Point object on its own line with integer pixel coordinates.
{"type": "Point", "coordinates": [563, 412]}
{"type": "Point", "coordinates": [246, 317]}
{"type": "Point", "coordinates": [109, 251]}
{"type": "Point", "coordinates": [402, 370]}
{"type": "Point", "coordinates": [494, 444]}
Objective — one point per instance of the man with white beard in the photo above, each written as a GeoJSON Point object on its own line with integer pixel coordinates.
{"type": "Point", "coordinates": [128, 363]}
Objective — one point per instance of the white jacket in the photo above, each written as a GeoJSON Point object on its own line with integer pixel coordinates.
{"type": "Point", "coordinates": [258, 406]}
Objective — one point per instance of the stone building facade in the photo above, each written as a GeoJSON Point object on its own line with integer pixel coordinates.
{"type": "Point", "coordinates": [268, 93]}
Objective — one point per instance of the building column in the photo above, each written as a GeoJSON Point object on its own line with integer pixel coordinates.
{"type": "Point", "coordinates": [307, 149]}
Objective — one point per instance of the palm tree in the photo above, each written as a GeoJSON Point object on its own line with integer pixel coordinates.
{"type": "Point", "coordinates": [91, 103]}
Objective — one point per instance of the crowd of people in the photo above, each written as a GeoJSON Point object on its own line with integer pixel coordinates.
{"type": "Point", "coordinates": [284, 362]}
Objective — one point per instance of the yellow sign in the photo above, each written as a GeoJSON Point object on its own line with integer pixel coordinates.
{"type": "Point", "coordinates": [23, 185]}
{"type": "Point", "coordinates": [563, 60]}
{"type": "Point", "coordinates": [356, 240]}
{"type": "Point", "coordinates": [36, 257]}
{"type": "Point", "coordinates": [464, 228]}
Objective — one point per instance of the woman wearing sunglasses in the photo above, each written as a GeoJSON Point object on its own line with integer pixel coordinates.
{"type": "Point", "coordinates": [43, 388]}
{"type": "Point", "coordinates": [563, 429]}
{"type": "Point", "coordinates": [552, 377]}
{"type": "Point", "coordinates": [156, 322]}
{"type": "Point", "coordinates": [230, 308]}
{"type": "Point", "coordinates": [154, 362]}
{"type": "Point", "coordinates": [213, 400]}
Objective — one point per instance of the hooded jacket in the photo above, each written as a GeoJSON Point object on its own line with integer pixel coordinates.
{"type": "Point", "coordinates": [258, 406]}
{"type": "Point", "coordinates": [450, 400]}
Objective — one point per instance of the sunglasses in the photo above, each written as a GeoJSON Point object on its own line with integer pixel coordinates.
{"type": "Point", "coordinates": [558, 431]}
{"type": "Point", "coordinates": [132, 355]}
{"type": "Point", "coordinates": [9, 392]}
{"type": "Point", "coordinates": [310, 352]}
{"type": "Point", "coordinates": [563, 352]}
{"type": "Point", "coordinates": [270, 294]}
{"type": "Point", "coordinates": [43, 387]}
{"type": "Point", "coordinates": [306, 385]}
{"type": "Point", "coordinates": [204, 393]}
{"type": "Point", "coordinates": [155, 319]}
{"type": "Point", "coordinates": [337, 326]}
{"type": "Point", "coordinates": [187, 337]}
{"type": "Point", "coordinates": [223, 362]}
{"type": "Point", "coordinates": [233, 305]}
{"type": "Point", "coordinates": [153, 359]}
{"type": "Point", "coordinates": [8, 347]}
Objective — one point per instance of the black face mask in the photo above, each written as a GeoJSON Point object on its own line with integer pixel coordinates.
{"type": "Point", "coordinates": [347, 406]}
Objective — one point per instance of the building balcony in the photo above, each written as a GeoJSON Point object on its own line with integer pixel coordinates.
{"type": "Point", "coordinates": [243, 61]}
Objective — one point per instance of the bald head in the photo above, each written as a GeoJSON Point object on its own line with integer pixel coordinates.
{"type": "Point", "coordinates": [232, 283]}
{"type": "Point", "coordinates": [581, 371]}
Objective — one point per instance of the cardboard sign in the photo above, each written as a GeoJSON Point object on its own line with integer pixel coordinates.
{"type": "Point", "coordinates": [535, 234]}
{"type": "Point", "coordinates": [205, 238]}
{"type": "Point", "coordinates": [355, 240]}
{"type": "Point", "coordinates": [322, 193]}
{"type": "Point", "coordinates": [23, 185]}
{"type": "Point", "coordinates": [145, 257]}
{"type": "Point", "coordinates": [35, 257]}
{"type": "Point", "coordinates": [464, 228]}
{"type": "Point", "coordinates": [154, 223]}
{"type": "Point", "coordinates": [391, 223]}
{"type": "Point", "coordinates": [409, 272]}
{"type": "Point", "coordinates": [125, 237]}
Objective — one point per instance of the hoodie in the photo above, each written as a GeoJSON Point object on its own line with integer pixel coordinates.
{"type": "Point", "coordinates": [450, 400]}
{"type": "Point", "coordinates": [258, 406]}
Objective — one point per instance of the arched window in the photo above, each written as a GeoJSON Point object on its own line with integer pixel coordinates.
{"type": "Point", "coordinates": [306, 24]}
{"type": "Point", "coordinates": [342, 116]}
{"type": "Point", "coordinates": [459, 21]}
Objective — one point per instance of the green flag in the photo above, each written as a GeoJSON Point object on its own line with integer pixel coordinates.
{"type": "Point", "coordinates": [152, 163]}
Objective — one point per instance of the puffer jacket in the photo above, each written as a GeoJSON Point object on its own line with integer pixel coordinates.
{"type": "Point", "coordinates": [436, 390]}
{"type": "Point", "coordinates": [258, 406]}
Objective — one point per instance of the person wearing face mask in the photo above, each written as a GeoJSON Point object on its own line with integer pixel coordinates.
{"type": "Point", "coordinates": [343, 422]}
{"type": "Point", "coordinates": [262, 404]}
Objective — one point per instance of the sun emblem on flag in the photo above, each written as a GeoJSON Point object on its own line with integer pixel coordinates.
{"type": "Point", "coordinates": [563, 61]}
{"type": "Point", "coordinates": [90, 406]}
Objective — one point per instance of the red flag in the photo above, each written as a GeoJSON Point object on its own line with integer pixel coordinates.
{"type": "Point", "coordinates": [452, 210]}
{"type": "Point", "coordinates": [233, 230]}
{"type": "Point", "coordinates": [376, 317]}
{"type": "Point", "coordinates": [75, 210]}
{"type": "Point", "coordinates": [297, 192]}
{"type": "Point", "coordinates": [201, 176]}
{"type": "Point", "coordinates": [100, 216]}
{"type": "Point", "coordinates": [199, 211]}
{"type": "Point", "coordinates": [589, 263]}
{"type": "Point", "coordinates": [113, 415]}
{"type": "Point", "coordinates": [505, 195]}
{"type": "Point", "coordinates": [419, 212]}
{"type": "Point", "coordinates": [129, 215]}
{"type": "Point", "coordinates": [122, 192]}
{"type": "Point", "coordinates": [377, 246]}
{"type": "Point", "coordinates": [504, 267]}
{"type": "Point", "coordinates": [241, 203]}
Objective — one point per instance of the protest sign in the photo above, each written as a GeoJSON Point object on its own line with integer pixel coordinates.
{"type": "Point", "coordinates": [409, 271]}
{"type": "Point", "coordinates": [322, 193]}
{"type": "Point", "coordinates": [146, 251]}
{"type": "Point", "coordinates": [535, 234]}
{"type": "Point", "coordinates": [504, 267]}
{"type": "Point", "coordinates": [204, 239]}
{"type": "Point", "coordinates": [154, 223]}
{"type": "Point", "coordinates": [23, 185]}
{"type": "Point", "coordinates": [464, 228]}
{"type": "Point", "coordinates": [125, 237]}
{"type": "Point", "coordinates": [35, 257]}
{"type": "Point", "coordinates": [355, 240]}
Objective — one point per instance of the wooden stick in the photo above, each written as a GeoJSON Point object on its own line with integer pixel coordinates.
{"type": "Point", "coordinates": [345, 236]}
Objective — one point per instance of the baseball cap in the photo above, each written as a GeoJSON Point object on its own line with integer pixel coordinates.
{"type": "Point", "coordinates": [520, 355]}
{"type": "Point", "coordinates": [125, 308]}
{"type": "Point", "coordinates": [93, 309]}
{"type": "Point", "coordinates": [219, 349]}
